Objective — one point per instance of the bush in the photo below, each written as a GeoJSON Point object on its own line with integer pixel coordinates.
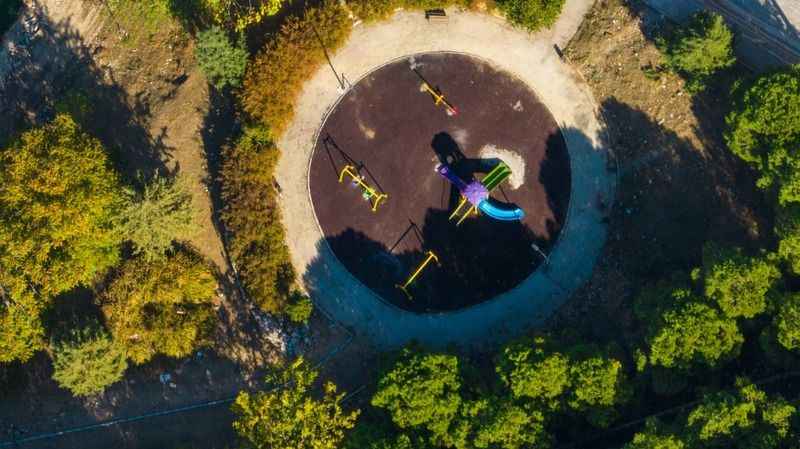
{"type": "Point", "coordinates": [533, 15]}
{"type": "Point", "coordinates": [88, 361]}
{"type": "Point", "coordinates": [764, 130]}
{"type": "Point", "coordinates": [290, 416]}
{"type": "Point", "coordinates": [162, 213]}
{"type": "Point", "coordinates": [59, 199]}
{"type": "Point", "coordinates": [699, 49]}
{"type": "Point", "coordinates": [223, 63]}
{"type": "Point", "coordinates": [787, 228]}
{"type": "Point", "coordinates": [253, 222]}
{"type": "Point", "coordinates": [161, 307]}
{"type": "Point", "coordinates": [299, 308]}
{"type": "Point", "coordinates": [276, 76]}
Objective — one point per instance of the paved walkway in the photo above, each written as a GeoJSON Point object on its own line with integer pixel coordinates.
{"type": "Point", "coordinates": [582, 239]}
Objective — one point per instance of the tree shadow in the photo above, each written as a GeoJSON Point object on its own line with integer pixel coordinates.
{"type": "Point", "coordinates": [57, 61]}
{"type": "Point", "coordinates": [674, 196]}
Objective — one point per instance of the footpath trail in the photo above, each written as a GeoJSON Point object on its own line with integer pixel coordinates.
{"type": "Point", "coordinates": [532, 59]}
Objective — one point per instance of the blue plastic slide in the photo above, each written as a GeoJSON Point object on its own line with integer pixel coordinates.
{"type": "Point", "coordinates": [500, 213]}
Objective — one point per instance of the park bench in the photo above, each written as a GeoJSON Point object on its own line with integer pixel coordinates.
{"type": "Point", "coordinates": [436, 16]}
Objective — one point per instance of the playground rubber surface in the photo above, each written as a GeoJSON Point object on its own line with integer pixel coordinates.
{"type": "Point", "coordinates": [393, 134]}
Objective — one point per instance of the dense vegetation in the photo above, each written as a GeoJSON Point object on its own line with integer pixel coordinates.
{"type": "Point", "coordinates": [699, 49]}
{"type": "Point", "coordinates": [222, 62]}
{"type": "Point", "coordinates": [8, 14]}
{"type": "Point", "coordinates": [533, 15]}
{"type": "Point", "coordinates": [252, 219]}
{"type": "Point", "coordinates": [277, 73]}
{"type": "Point", "coordinates": [87, 360]}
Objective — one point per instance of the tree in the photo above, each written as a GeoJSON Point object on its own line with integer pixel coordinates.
{"type": "Point", "coordinates": [747, 419]}
{"type": "Point", "coordinates": [58, 203]}
{"type": "Point", "coordinates": [598, 385]}
{"type": "Point", "coordinates": [162, 213]}
{"type": "Point", "coordinates": [88, 361]}
{"type": "Point", "coordinates": [289, 417]}
{"type": "Point", "coordinates": [223, 63]}
{"type": "Point", "coordinates": [764, 130]}
{"type": "Point", "coordinates": [531, 369]}
{"type": "Point", "coordinates": [253, 221]}
{"type": "Point", "coordinates": [692, 333]}
{"type": "Point", "coordinates": [738, 283]}
{"type": "Point", "coordinates": [276, 75]}
{"type": "Point", "coordinates": [787, 228]}
{"type": "Point", "coordinates": [533, 15]}
{"type": "Point", "coordinates": [239, 13]}
{"type": "Point", "coordinates": [654, 436]}
{"type": "Point", "coordinates": [165, 306]}
{"type": "Point", "coordinates": [699, 49]}
{"type": "Point", "coordinates": [421, 390]}
{"type": "Point", "coordinates": [502, 424]}
{"type": "Point", "coordinates": [21, 329]}
{"type": "Point", "coordinates": [299, 308]}
{"type": "Point", "coordinates": [787, 321]}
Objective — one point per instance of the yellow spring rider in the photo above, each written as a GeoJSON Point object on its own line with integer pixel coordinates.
{"type": "Point", "coordinates": [367, 192]}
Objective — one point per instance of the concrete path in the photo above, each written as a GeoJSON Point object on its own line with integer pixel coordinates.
{"type": "Point", "coordinates": [571, 262]}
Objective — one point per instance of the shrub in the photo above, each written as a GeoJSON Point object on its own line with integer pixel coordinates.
{"type": "Point", "coordinates": [699, 49]}
{"type": "Point", "coordinates": [59, 199]}
{"type": "Point", "coordinates": [533, 15]}
{"type": "Point", "coordinates": [88, 361]}
{"type": "Point", "coordinates": [764, 130]}
{"type": "Point", "coordinates": [738, 283]}
{"type": "Point", "coordinates": [532, 370]}
{"type": "Point", "coordinates": [162, 213]}
{"type": "Point", "coordinates": [787, 228]}
{"type": "Point", "coordinates": [165, 306]}
{"type": "Point", "coordinates": [252, 220]}
{"type": "Point", "coordinates": [275, 77]}
{"type": "Point", "coordinates": [223, 63]}
{"type": "Point", "coordinates": [299, 308]}
{"type": "Point", "coordinates": [290, 416]}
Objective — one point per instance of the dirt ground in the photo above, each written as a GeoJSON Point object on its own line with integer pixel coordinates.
{"type": "Point", "coordinates": [396, 136]}
{"type": "Point", "coordinates": [679, 185]}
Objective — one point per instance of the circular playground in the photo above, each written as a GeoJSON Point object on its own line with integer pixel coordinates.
{"type": "Point", "coordinates": [440, 181]}
{"type": "Point", "coordinates": [536, 182]}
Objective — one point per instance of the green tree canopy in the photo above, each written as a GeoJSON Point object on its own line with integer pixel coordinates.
{"type": "Point", "coordinates": [692, 333]}
{"type": "Point", "coordinates": [289, 417]}
{"type": "Point", "coordinates": [533, 15]}
{"type": "Point", "coordinates": [787, 321]}
{"type": "Point", "coordinates": [764, 130]}
{"type": "Point", "coordinates": [154, 218]}
{"type": "Point", "coordinates": [787, 228]}
{"type": "Point", "coordinates": [738, 283]}
{"type": "Point", "coordinates": [699, 49]}
{"type": "Point", "coordinates": [655, 436]}
{"type": "Point", "coordinates": [164, 306]}
{"type": "Point", "coordinates": [421, 390]}
{"type": "Point", "coordinates": [531, 369]}
{"type": "Point", "coordinates": [58, 201]}
{"type": "Point", "coordinates": [88, 361]}
{"type": "Point", "coordinates": [253, 220]}
{"type": "Point", "coordinates": [21, 328]}
{"type": "Point", "coordinates": [747, 419]}
{"type": "Point", "coordinates": [598, 385]}
{"type": "Point", "coordinates": [222, 62]}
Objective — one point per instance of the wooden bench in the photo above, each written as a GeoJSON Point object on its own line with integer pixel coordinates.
{"type": "Point", "coordinates": [437, 16]}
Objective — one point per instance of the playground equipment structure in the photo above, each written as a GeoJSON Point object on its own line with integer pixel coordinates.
{"type": "Point", "coordinates": [430, 258]}
{"type": "Point", "coordinates": [367, 192]}
{"type": "Point", "coordinates": [477, 193]}
{"type": "Point", "coordinates": [438, 98]}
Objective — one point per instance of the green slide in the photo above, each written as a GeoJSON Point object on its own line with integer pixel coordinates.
{"type": "Point", "coordinates": [496, 176]}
